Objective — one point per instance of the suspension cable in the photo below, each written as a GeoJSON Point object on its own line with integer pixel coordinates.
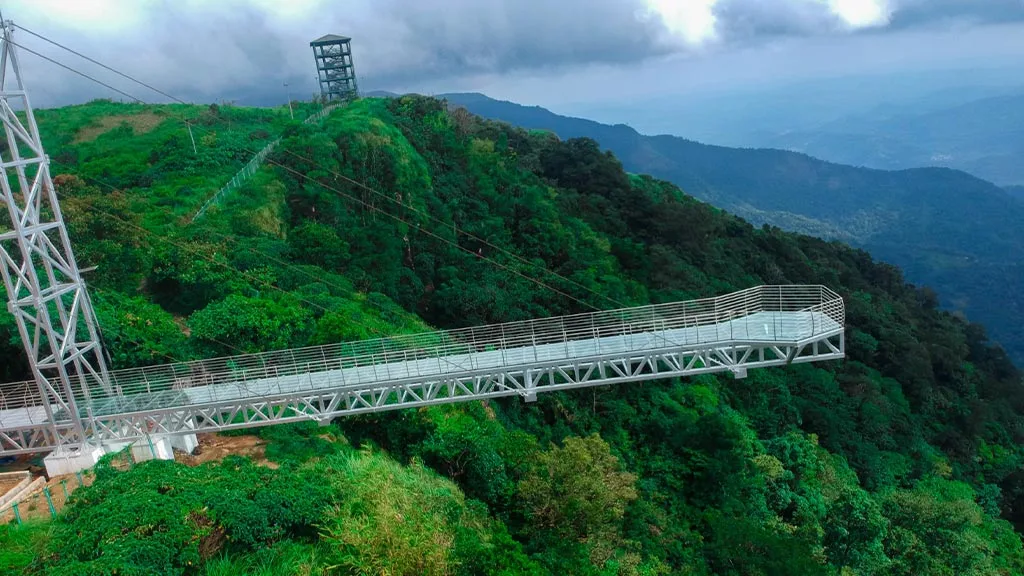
{"type": "Point", "coordinates": [352, 181]}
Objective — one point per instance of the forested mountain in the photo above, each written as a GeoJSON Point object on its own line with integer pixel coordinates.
{"type": "Point", "coordinates": [1017, 191]}
{"type": "Point", "coordinates": [984, 137]}
{"type": "Point", "coordinates": [946, 229]}
{"type": "Point", "coordinates": [903, 459]}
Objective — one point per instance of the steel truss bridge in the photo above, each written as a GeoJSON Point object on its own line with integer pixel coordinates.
{"type": "Point", "coordinates": [758, 327]}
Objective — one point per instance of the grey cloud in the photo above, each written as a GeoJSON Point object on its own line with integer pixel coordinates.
{"type": "Point", "coordinates": [476, 36]}
{"type": "Point", "coordinates": [743, 20]}
{"type": "Point", "coordinates": [917, 13]}
{"type": "Point", "coordinates": [234, 50]}
{"type": "Point", "coordinates": [210, 52]}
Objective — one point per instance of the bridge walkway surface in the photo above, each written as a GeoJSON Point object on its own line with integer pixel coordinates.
{"type": "Point", "coordinates": [758, 327]}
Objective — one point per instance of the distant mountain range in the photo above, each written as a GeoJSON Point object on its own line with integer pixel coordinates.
{"type": "Point", "coordinates": [984, 137]}
{"type": "Point", "coordinates": [956, 233]}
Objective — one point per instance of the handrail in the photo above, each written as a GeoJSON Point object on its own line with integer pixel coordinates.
{"type": "Point", "coordinates": [820, 309]}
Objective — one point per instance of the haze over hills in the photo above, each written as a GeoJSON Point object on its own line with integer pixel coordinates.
{"type": "Point", "coordinates": [984, 137]}
{"type": "Point", "coordinates": [947, 229]}
{"type": "Point", "coordinates": [968, 119]}
{"type": "Point", "coordinates": [751, 116]}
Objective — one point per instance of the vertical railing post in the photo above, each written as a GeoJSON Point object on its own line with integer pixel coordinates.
{"type": "Point", "coordinates": [17, 513]}
{"type": "Point", "coordinates": [718, 336]}
{"type": "Point", "coordinates": [533, 338]}
{"type": "Point", "coordinates": [565, 338]}
{"type": "Point", "coordinates": [49, 502]}
{"type": "Point", "coordinates": [473, 351]}
{"type": "Point", "coordinates": [654, 329]}
{"type": "Point", "coordinates": [504, 346]}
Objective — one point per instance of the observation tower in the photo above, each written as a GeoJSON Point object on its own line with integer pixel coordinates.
{"type": "Point", "coordinates": [334, 68]}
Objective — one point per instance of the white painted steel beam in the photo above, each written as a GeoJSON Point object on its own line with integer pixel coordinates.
{"type": "Point", "coordinates": [760, 327]}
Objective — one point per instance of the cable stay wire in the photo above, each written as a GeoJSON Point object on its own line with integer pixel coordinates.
{"type": "Point", "coordinates": [339, 175]}
{"type": "Point", "coordinates": [70, 69]}
{"type": "Point", "coordinates": [181, 246]}
{"type": "Point", "coordinates": [212, 260]}
{"type": "Point", "coordinates": [356, 183]}
{"type": "Point", "coordinates": [352, 181]}
{"type": "Point", "coordinates": [240, 383]}
{"type": "Point", "coordinates": [458, 230]}
{"type": "Point", "coordinates": [111, 187]}
{"type": "Point", "coordinates": [227, 266]}
{"type": "Point", "coordinates": [432, 234]}
{"type": "Point", "coordinates": [100, 64]}
{"type": "Point", "coordinates": [227, 345]}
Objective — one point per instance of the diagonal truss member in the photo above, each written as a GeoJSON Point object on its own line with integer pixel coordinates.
{"type": "Point", "coordinates": [46, 293]}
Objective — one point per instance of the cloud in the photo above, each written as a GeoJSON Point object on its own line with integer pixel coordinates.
{"type": "Point", "coordinates": [738, 22]}
{"type": "Point", "coordinates": [924, 13]}
{"type": "Point", "coordinates": [694, 21]}
{"type": "Point", "coordinates": [208, 48]}
{"type": "Point", "coordinates": [247, 49]}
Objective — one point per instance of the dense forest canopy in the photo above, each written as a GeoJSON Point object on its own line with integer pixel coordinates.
{"type": "Point", "coordinates": [395, 215]}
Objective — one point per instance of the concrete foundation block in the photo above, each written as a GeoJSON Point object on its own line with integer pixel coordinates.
{"type": "Point", "coordinates": [187, 443]}
{"type": "Point", "coordinates": [62, 462]}
{"type": "Point", "coordinates": [153, 448]}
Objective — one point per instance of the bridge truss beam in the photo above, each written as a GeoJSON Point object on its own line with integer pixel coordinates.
{"type": "Point", "coordinates": [325, 404]}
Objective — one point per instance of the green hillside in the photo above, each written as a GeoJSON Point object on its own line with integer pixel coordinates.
{"type": "Point", "coordinates": [945, 229]}
{"type": "Point", "coordinates": [396, 214]}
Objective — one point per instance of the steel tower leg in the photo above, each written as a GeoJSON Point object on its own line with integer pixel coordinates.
{"type": "Point", "coordinates": [46, 293]}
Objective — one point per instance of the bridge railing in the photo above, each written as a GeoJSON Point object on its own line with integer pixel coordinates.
{"type": "Point", "coordinates": [733, 317]}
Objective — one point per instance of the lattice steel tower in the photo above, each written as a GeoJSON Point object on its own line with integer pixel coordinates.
{"type": "Point", "coordinates": [334, 67]}
{"type": "Point", "coordinates": [46, 293]}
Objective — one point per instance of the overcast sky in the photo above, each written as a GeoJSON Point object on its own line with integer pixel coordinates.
{"type": "Point", "coordinates": [553, 53]}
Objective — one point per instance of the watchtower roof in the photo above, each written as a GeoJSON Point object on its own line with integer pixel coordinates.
{"type": "Point", "coordinates": [329, 39]}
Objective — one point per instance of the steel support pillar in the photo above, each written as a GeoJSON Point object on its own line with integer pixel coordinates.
{"type": "Point", "coordinates": [46, 293]}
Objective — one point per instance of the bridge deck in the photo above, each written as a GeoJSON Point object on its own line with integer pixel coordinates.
{"type": "Point", "coordinates": [762, 326]}
{"type": "Point", "coordinates": [792, 327]}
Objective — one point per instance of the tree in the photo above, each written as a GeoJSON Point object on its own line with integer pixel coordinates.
{"type": "Point", "coordinates": [578, 490]}
{"type": "Point", "coordinates": [250, 325]}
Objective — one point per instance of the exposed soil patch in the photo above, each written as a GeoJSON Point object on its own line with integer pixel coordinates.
{"type": "Point", "coordinates": [214, 447]}
{"type": "Point", "coordinates": [140, 123]}
{"type": "Point", "coordinates": [7, 483]}
{"type": "Point", "coordinates": [35, 507]}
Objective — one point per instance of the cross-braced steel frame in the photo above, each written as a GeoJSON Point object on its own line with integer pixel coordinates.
{"type": "Point", "coordinates": [45, 290]}
{"type": "Point", "coordinates": [324, 405]}
{"type": "Point", "coordinates": [758, 327]}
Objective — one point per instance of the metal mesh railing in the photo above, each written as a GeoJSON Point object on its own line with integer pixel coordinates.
{"type": "Point", "coordinates": [764, 313]}
{"type": "Point", "coordinates": [253, 165]}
